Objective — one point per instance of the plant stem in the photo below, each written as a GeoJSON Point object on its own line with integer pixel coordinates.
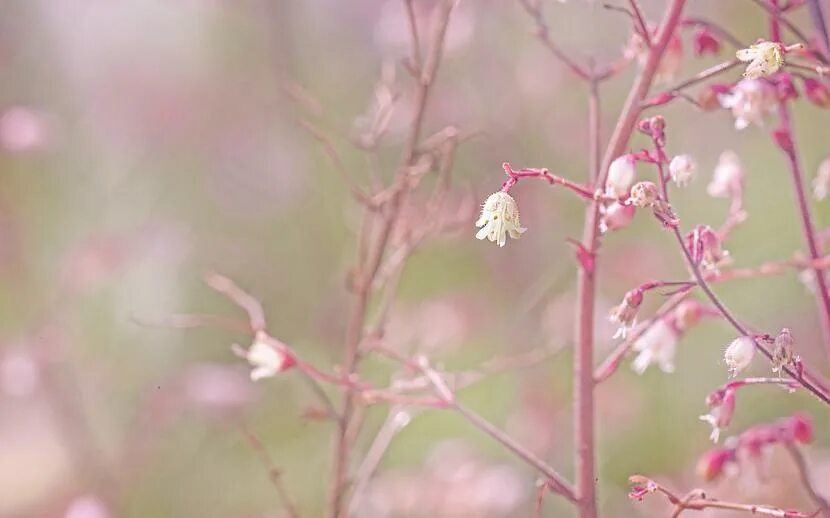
{"type": "Point", "coordinates": [586, 284]}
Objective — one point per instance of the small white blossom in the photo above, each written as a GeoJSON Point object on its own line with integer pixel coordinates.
{"type": "Point", "coordinates": [682, 169]}
{"type": "Point", "coordinates": [739, 355]}
{"type": "Point", "coordinates": [720, 415]}
{"type": "Point", "coordinates": [266, 360]}
{"type": "Point", "coordinates": [728, 178]}
{"type": "Point", "coordinates": [765, 58]}
{"type": "Point", "coordinates": [821, 183]}
{"type": "Point", "coordinates": [621, 174]}
{"type": "Point", "coordinates": [750, 101]}
{"type": "Point", "coordinates": [499, 217]}
{"type": "Point", "coordinates": [657, 345]}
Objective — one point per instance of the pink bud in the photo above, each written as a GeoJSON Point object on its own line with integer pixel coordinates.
{"type": "Point", "coordinates": [784, 139]}
{"type": "Point", "coordinates": [621, 174]}
{"type": "Point", "coordinates": [616, 216]}
{"type": "Point", "coordinates": [711, 465]}
{"type": "Point", "coordinates": [817, 92]}
{"type": "Point", "coordinates": [801, 427]}
{"type": "Point", "coordinates": [705, 42]}
{"type": "Point", "coordinates": [785, 88]}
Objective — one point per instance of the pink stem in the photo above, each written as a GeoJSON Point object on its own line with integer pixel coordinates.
{"type": "Point", "coordinates": [787, 144]}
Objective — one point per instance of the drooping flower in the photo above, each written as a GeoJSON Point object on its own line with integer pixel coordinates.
{"type": "Point", "coordinates": [705, 42]}
{"type": "Point", "coordinates": [615, 216]}
{"type": "Point", "coordinates": [499, 218]}
{"type": "Point", "coordinates": [750, 100]}
{"type": "Point", "coordinates": [765, 58]}
{"type": "Point", "coordinates": [682, 169]}
{"type": "Point", "coordinates": [266, 359]}
{"type": "Point", "coordinates": [706, 247]}
{"type": "Point", "coordinates": [657, 345]}
{"type": "Point", "coordinates": [714, 463]}
{"type": "Point", "coordinates": [720, 413]}
{"type": "Point", "coordinates": [621, 174]}
{"type": "Point", "coordinates": [625, 314]}
{"type": "Point", "coordinates": [671, 63]}
{"type": "Point", "coordinates": [739, 354]}
{"type": "Point", "coordinates": [728, 179]}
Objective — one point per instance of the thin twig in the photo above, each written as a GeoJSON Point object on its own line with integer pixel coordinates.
{"type": "Point", "coordinates": [274, 474]}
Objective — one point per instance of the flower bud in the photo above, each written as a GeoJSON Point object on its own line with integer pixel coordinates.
{"type": "Point", "coordinates": [687, 314]}
{"type": "Point", "coordinates": [800, 427]}
{"type": "Point", "coordinates": [712, 464]}
{"type": "Point", "coordinates": [644, 194]}
{"type": "Point", "coordinates": [739, 354]}
{"type": "Point", "coordinates": [682, 169]}
{"type": "Point", "coordinates": [621, 174]}
{"type": "Point", "coordinates": [817, 92]}
{"type": "Point", "coordinates": [705, 42]}
{"type": "Point", "coordinates": [615, 216]}
{"type": "Point", "coordinates": [785, 88]}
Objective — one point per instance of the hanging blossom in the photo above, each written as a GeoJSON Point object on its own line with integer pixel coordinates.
{"type": "Point", "coordinates": [765, 58]}
{"type": "Point", "coordinates": [499, 218]}
{"type": "Point", "coordinates": [728, 179]}
{"type": "Point", "coordinates": [682, 169]}
{"type": "Point", "coordinates": [706, 248]}
{"type": "Point", "coordinates": [615, 216]}
{"type": "Point", "coordinates": [721, 410]}
{"type": "Point", "coordinates": [750, 100]}
{"type": "Point", "coordinates": [739, 355]}
{"type": "Point", "coordinates": [753, 443]}
{"type": "Point", "coordinates": [265, 357]}
{"type": "Point", "coordinates": [626, 313]}
{"type": "Point", "coordinates": [621, 175]}
{"type": "Point", "coordinates": [671, 63]}
{"type": "Point", "coordinates": [658, 344]}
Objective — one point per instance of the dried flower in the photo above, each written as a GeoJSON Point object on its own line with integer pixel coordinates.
{"type": "Point", "coordinates": [621, 174]}
{"type": "Point", "coordinates": [644, 194]}
{"type": "Point", "coordinates": [739, 354]}
{"type": "Point", "coordinates": [765, 58]}
{"type": "Point", "coordinates": [626, 313]}
{"type": "Point", "coordinates": [266, 359]}
{"type": "Point", "coordinates": [682, 169]}
{"type": "Point", "coordinates": [720, 413]}
{"type": "Point", "coordinates": [728, 179]}
{"type": "Point", "coordinates": [751, 100]}
{"type": "Point", "coordinates": [656, 345]}
{"type": "Point", "coordinates": [783, 352]}
{"type": "Point", "coordinates": [499, 217]}
{"type": "Point", "coordinates": [615, 216]}
{"type": "Point", "coordinates": [821, 183]}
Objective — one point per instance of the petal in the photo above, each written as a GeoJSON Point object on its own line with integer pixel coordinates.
{"type": "Point", "coordinates": [483, 219]}
{"type": "Point", "coordinates": [746, 54]}
{"type": "Point", "coordinates": [481, 234]}
{"type": "Point", "coordinates": [262, 372]}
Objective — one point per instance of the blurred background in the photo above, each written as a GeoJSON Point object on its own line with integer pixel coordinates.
{"type": "Point", "coordinates": [143, 143]}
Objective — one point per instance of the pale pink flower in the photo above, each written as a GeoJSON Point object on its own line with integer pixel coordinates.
{"type": "Point", "coordinates": [720, 414]}
{"type": "Point", "coordinates": [657, 345]}
{"type": "Point", "coordinates": [682, 169]}
{"type": "Point", "coordinates": [621, 174]}
{"type": "Point", "coordinates": [739, 354]}
{"type": "Point", "coordinates": [728, 179]}
{"type": "Point", "coordinates": [751, 101]}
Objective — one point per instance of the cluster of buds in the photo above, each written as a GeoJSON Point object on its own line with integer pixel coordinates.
{"type": "Point", "coordinates": [706, 247]}
{"type": "Point", "coordinates": [752, 443]}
